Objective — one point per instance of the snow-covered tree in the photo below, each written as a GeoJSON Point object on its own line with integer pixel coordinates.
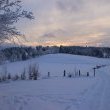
{"type": "Point", "coordinates": [10, 12]}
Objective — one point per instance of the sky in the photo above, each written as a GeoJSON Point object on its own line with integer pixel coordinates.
{"type": "Point", "coordinates": [67, 22]}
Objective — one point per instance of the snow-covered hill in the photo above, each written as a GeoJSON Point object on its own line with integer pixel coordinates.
{"type": "Point", "coordinates": [56, 64]}
{"type": "Point", "coordinates": [58, 93]}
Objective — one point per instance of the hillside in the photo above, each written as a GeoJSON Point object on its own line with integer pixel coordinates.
{"type": "Point", "coordinates": [56, 64]}
{"type": "Point", "coordinates": [58, 92]}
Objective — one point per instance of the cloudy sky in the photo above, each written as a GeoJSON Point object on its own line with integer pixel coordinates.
{"type": "Point", "coordinates": [67, 22]}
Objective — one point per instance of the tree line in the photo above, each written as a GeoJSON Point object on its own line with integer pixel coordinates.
{"type": "Point", "coordinates": [13, 54]}
{"type": "Point", "coordinates": [100, 52]}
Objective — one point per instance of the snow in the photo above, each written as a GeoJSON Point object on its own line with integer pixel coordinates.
{"type": "Point", "coordinates": [57, 92]}
{"type": "Point", "coordinates": [55, 64]}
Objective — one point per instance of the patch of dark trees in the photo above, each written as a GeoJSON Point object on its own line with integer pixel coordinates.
{"type": "Point", "coordinates": [13, 54]}
{"type": "Point", "coordinates": [100, 52]}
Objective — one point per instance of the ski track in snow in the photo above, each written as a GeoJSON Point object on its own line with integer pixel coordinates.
{"type": "Point", "coordinates": [96, 97]}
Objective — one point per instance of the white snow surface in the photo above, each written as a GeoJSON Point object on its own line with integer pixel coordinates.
{"type": "Point", "coordinates": [58, 92]}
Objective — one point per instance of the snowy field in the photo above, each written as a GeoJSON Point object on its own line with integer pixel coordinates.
{"type": "Point", "coordinates": [58, 92]}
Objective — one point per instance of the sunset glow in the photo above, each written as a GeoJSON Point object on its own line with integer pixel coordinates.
{"type": "Point", "coordinates": [68, 22]}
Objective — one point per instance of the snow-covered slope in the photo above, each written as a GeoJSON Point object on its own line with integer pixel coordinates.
{"type": "Point", "coordinates": [58, 93]}
{"type": "Point", "coordinates": [56, 64]}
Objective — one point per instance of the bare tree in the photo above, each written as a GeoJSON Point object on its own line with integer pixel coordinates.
{"type": "Point", "coordinates": [0, 79]}
{"type": "Point", "coordinates": [9, 76]}
{"type": "Point", "coordinates": [64, 73]}
{"type": "Point", "coordinates": [16, 77]}
{"type": "Point", "coordinates": [10, 12]}
{"type": "Point", "coordinates": [30, 72]}
{"type": "Point", "coordinates": [4, 72]}
{"type": "Point", "coordinates": [23, 75]}
{"type": "Point", "coordinates": [35, 71]}
{"type": "Point", "coordinates": [2, 58]}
